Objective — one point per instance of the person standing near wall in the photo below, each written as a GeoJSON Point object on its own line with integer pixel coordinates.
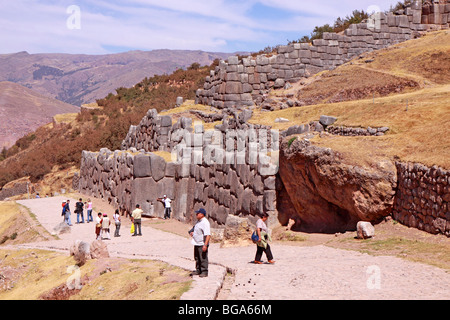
{"type": "Point", "coordinates": [201, 235]}
{"type": "Point", "coordinates": [98, 226]}
{"type": "Point", "coordinates": [66, 212]}
{"type": "Point", "coordinates": [89, 211]}
{"type": "Point", "coordinates": [167, 207]}
{"type": "Point", "coordinates": [105, 227]}
{"type": "Point", "coordinates": [136, 217]}
{"type": "Point", "coordinates": [79, 210]}
{"type": "Point", "coordinates": [117, 222]}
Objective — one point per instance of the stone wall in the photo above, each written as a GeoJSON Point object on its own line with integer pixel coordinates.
{"type": "Point", "coordinates": [226, 172]}
{"type": "Point", "coordinates": [423, 198]}
{"type": "Point", "coordinates": [325, 123]}
{"type": "Point", "coordinates": [16, 187]}
{"type": "Point", "coordinates": [239, 83]}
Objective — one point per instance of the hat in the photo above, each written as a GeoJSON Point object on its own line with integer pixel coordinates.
{"type": "Point", "coordinates": [202, 211]}
{"type": "Point", "coordinates": [164, 196]}
{"type": "Point", "coordinates": [105, 214]}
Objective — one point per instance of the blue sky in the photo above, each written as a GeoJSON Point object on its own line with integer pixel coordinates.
{"type": "Point", "coordinates": [110, 26]}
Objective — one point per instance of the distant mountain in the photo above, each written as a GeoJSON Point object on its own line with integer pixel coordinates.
{"type": "Point", "coordinates": [77, 78]}
{"type": "Point", "coordinates": [23, 110]}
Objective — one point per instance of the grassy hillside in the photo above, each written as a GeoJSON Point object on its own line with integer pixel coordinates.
{"type": "Point", "coordinates": [43, 275]}
{"type": "Point", "coordinates": [61, 143]}
{"type": "Point", "coordinates": [417, 115]}
{"type": "Point", "coordinates": [404, 87]}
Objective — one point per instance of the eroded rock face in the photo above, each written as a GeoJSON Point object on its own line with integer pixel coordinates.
{"type": "Point", "coordinates": [329, 195]}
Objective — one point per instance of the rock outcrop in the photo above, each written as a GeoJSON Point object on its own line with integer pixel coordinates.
{"type": "Point", "coordinates": [329, 194]}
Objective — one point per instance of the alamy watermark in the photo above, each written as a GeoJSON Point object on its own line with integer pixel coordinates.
{"type": "Point", "coordinates": [374, 21]}
{"type": "Point", "coordinates": [73, 22]}
{"type": "Point", "coordinates": [253, 147]}
{"type": "Point", "coordinates": [74, 280]}
{"type": "Point", "coordinates": [374, 277]}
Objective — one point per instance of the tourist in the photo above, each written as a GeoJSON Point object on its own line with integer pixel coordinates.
{"type": "Point", "coordinates": [136, 217]}
{"type": "Point", "coordinates": [66, 213]}
{"type": "Point", "coordinates": [167, 208]}
{"type": "Point", "coordinates": [262, 245]}
{"type": "Point", "coordinates": [105, 227]}
{"type": "Point", "coordinates": [98, 226]}
{"type": "Point", "coordinates": [116, 218]}
{"type": "Point", "coordinates": [89, 211]}
{"type": "Point", "coordinates": [201, 235]}
{"type": "Point", "coordinates": [79, 210]}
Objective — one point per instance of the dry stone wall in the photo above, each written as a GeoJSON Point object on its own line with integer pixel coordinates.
{"type": "Point", "coordinates": [225, 171]}
{"type": "Point", "coordinates": [232, 170]}
{"type": "Point", "coordinates": [423, 198]}
{"type": "Point", "coordinates": [239, 83]}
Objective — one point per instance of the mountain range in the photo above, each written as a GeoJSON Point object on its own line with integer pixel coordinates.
{"type": "Point", "coordinates": [78, 78]}
{"type": "Point", "coordinates": [35, 87]}
{"type": "Point", "coordinates": [23, 110]}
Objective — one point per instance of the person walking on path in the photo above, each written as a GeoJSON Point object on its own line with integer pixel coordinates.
{"type": "Point", "coordinates": [79, 210]}
{"type": "Point", "coordinates": [136, 217]}
{"type": "Point", "coordinates": [105, 227]}
{"type": "Point", "coordinates": [167, 207]}
{"type": "Point", "coordinates": [201, 235]}
{"type": "Point", "coordinates": [89, 211]}
{"type": "Point", "coordinates": [263, 245]}
{"type": "Point", "coordinates": [66, 213]}
{"type": "Point", "coordinates": [116, 218]}
{"type": "Point", "coordinates": [98, 226]}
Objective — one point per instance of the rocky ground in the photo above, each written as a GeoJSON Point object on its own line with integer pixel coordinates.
{"type": "Point", "coordinates": [315, 268]}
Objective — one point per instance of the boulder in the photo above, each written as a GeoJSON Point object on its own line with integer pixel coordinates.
{"type": "Point", "coordinates": [281, 120]}
{"type": "Point", "coordinates": [237, 231]}
{"type": "Point", "coordinates": [279, 83]}
{"type": "Point", "coordinates": [364, 230]}
{"type": "Point", "coordinates": [80, 250]}
{"type": "Point", "coordinates": [99, 250]}
{"type": "Point", "coordinates": [60, 229]}
{"type": "Point", "coordinates": [329, 193]}
{"type": "Point", "coordinates": [327, 120]}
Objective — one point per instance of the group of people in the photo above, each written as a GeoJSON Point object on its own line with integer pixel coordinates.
{"type": "Point", "coordinates": [102, 222]}
{"type": "Point", "coordinates": [79, 208]}
{"type": "Point", "coordinates": [200, 232]}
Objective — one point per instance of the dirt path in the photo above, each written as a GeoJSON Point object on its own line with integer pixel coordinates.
{"type": "Point", "coordinates": [300, 272]}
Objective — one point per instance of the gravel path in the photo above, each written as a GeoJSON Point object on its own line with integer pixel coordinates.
{"type": "Point", "coordinates": [316, 272]}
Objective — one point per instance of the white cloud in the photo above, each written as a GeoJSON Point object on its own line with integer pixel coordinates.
{"type": "Point", "coordinates": [213, 25]}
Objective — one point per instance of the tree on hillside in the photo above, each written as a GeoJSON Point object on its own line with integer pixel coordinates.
{"type": "Point", "coordinates": [339, 25]}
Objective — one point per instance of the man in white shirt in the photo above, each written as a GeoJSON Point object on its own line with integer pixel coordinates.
{"type": "Point", "coordinates": [201, 234]}
{"type": "Point", "coordinates": [167, 208]}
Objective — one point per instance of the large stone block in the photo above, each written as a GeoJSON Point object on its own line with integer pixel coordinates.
{"type": "Point", "coordinates": [144, 192]}
{"type": "Point", "coordinates": [141, 166]}
{"type": "Point", "coordinates": [234, 88]}
{"type": "Point", "coordinates": [158, 167]}
{"type": "Point", "coordinates": [270, 198]}
{"type": "Point", "coordinates": [166, 121]}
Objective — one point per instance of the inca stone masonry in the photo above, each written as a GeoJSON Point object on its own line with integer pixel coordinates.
{"type": "Point", "coordinates": [237, 173]}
